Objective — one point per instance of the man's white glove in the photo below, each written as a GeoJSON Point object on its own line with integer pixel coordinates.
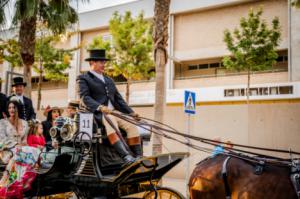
{"type": "Point", "coordinates": [135, 115]}
{"type": "Point", "coordinates": [104, 109]}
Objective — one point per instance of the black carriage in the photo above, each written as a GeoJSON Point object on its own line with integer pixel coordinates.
{"type": "Point", "coordinates": [92, 169]}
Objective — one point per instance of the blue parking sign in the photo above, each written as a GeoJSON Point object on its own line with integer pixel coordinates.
{"type": "Point", "coordinates": [189, 102]}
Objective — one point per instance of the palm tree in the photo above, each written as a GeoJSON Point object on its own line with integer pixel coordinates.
{"type": "Point", "coordinates": [296, 3]}
{"type": "Point", "coordinates": [58, 15]}
{"type": "Point", "coordinates": [160, 37]}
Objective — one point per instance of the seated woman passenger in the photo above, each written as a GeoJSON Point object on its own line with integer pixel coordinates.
{"type": "Point", "coordinates": [51, 114]}
{"type": "Point", "coordinates": [20, 158]}
{"type": "Point", "coordinates": [13, 130]}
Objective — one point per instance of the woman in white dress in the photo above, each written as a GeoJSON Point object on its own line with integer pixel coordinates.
{"type": "Point", "coordinates": [19, 157]}
{"type": "Point", "coordinates": [13, 130]}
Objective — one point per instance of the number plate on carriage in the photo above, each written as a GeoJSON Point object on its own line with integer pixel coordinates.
{"type": "Point", "coordinates": [86, 124]}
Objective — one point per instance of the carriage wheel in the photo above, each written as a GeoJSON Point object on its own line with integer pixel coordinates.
{"type": "Point", "coordinates": [58, 196]}
{"type": "Point", "coordinates": [162, 193]}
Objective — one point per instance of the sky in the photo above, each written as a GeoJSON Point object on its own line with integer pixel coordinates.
{"type": "Point", "coordinates": [97, 4]}
{"type": "Point", "coordinates": [82, 7]}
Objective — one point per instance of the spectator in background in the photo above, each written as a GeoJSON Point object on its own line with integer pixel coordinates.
{"type": "Point", "coordinates": [72, 108]}
{"type": "Point", "coordinates": [218, 147]}
{"type": "Point", "coordinates": [51, 115]}
{"type": "Point", "coordinates": [35, 136]}
{"type": "Point", "coordinates": [228, 145]}
{"type": "Point", "coordinates": [3, 101]}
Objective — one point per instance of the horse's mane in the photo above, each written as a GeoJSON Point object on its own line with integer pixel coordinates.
{"type": "Point", "coordinates": [260, 159]}
{"type": "Point", "coordinates": [209, 158]}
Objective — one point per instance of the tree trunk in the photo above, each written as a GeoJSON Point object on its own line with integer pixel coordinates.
{"type": "Point", "coordinates": [27, 79]}
{"type": "Point", "coordinates": [27, 44]}
{"type": "Point", "coordinates": [248, 85]}
{"type": "Point", "coordinates": [127, 90]}
{"type": "Point", "coordinates": [12, 70]}
{"type": "Point", "coordinates": [160, 37]}
{"type": "Point", "coordinates": [160, 96]}
{"type": "Point", "coordinates": [39, 93]}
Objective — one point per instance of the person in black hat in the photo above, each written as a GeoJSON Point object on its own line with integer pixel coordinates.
{"type": "Point", "coordinates": [98, 93]}
{"type": "Point", "coordinates": [72, 108]}
{"type": "Point", "coordinates": [3, 102]}
{"type": "Point", "coordinates": [27, 112]}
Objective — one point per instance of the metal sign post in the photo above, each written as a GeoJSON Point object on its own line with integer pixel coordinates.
{"type": "Point", "coordinates": [189, 108]}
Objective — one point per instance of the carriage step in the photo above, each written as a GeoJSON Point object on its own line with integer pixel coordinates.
{"type": "Point", "coordinates": [86, 167]}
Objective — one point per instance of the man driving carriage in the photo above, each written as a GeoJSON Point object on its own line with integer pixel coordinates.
{"type": "Point", "coordinates": [99, 94]}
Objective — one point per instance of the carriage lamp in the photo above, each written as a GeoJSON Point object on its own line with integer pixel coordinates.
{"type": "Point", "coordinates": [63, 130]}
{"type": "Point", "coordinates": [66, 132]}
{"type": "Point", "coordinates": [54, 132]}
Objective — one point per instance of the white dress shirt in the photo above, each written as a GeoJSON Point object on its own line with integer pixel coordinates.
{"type": "Point", "coordinates": [101, 77]}
{"type": "Point", "coordinates": [20, 98]}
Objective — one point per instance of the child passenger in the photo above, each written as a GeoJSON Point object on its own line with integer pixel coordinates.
{"type": "Point", "coordinates": [35, 136]}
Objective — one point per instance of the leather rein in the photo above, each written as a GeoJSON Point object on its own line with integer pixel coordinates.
{"type": "Point", "coordinates": [162, 130]}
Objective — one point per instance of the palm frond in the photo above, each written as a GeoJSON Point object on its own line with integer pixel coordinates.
{"type": "Point", "coordinates": [3, 5]}
{"type": "Point", "coordinates": [25, 9]}
{"type": "Point", "coordinates": [59, 15]}
{"type": "Point", "coordinates": [2, 16]}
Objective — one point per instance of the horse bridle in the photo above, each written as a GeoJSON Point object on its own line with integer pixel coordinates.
{"type": "Point", "coordinates": [295, 176]}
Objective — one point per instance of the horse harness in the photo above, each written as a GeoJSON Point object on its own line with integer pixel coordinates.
{"type": "Point", "coordinates": [295, 176]}
{"type": "Point", "coordinates": [257, 171]}
{"type": "Point", "coordinates": [225, 179]}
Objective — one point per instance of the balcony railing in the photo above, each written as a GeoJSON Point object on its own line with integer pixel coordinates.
{"type": "Point", "coordinates": [218, 74]}
{"type": "Point", "coordinates": [210, 75]}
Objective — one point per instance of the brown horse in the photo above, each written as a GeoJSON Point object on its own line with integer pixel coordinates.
{"type": "Point", "coordinates": [207, 181]}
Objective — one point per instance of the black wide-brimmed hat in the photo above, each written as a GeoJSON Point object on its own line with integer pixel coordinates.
{"type": "Point", "coordinates": [73, 104]}
{"type": "Point", "coordinates": [18, 81]}
{"type": "Point", "coordinates": [97, 55]}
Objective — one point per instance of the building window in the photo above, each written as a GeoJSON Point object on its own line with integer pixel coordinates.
{"type": "Point", "coordinates": [282, 58]}
{"type": "Point", "coordinates": [203, 66]}
{"type": "Point", "coordinates": [193, 67]}
{"type": "Point", "coordinates": [243, 92]}
{"type": "Point", "coordinates": [261, 91]}
{"type": "Point", "coordinates": [285, 90]}
{"type": "Point", "coordinates": [214, 65]}
{"type": "Point", "coordinates": [229, 92]}
{"type": "Point", "coordinates": [107, 37]}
